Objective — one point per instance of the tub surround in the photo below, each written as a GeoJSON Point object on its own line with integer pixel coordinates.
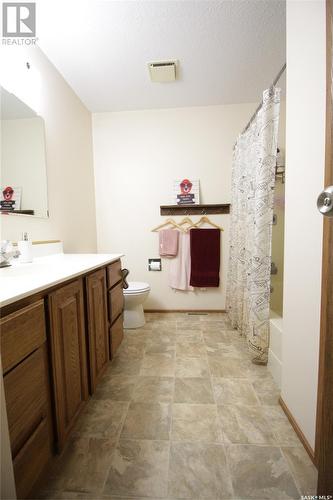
{"type": "Point", "coordinates": [275, 347]}
{"type": "Point", "coordinates": [61, 324]}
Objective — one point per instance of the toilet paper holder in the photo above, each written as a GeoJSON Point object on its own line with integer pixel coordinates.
{"type": "Point", "coordinates": [154, 265]}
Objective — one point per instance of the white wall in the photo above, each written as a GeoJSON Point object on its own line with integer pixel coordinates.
{"type": "Point", "coordinates": [137, 155]}
{"type": "Point", "coordinates": [23, 161]}
{"type": "Point", "coordinates": [68, 152]}
{"type": "Point", "coordinates": [305, 138]}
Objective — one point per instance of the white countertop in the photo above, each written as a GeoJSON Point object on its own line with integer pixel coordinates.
{"type": "Point", "coordinates": [21, 280]}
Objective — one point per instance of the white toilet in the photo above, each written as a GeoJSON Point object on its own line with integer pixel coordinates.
{"type": "Point", "coordinates": [134, 297]}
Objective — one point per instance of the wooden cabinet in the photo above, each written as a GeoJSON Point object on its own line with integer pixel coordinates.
{"type": "Point", "coordinates": [21, 333]}
{"type": "Point", "coordinates": [116, 302]}
{"type": "Point", "coordinates": [116, 334]}
{"type": "Point", "coordinates": [116, 305]}
{"type": "Point", "coordinates": [69, 356]}
{"type": "Point", "coordinates": [114, 273]}
{"type": "Point", "coordinates": [26, 385]}
{"type": "Point", "coordinates": [47, 365]}
{"type": "Point", "coordinates": [97, 321]}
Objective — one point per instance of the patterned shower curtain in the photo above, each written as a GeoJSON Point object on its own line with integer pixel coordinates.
{"type": "Point", "coordinates": [253, 180]}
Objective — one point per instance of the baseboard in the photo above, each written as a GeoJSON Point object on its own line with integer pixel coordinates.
{"type": "Point", "coordinates": [298, 431]}
{"type": "Point", "coordinates": [195, 311]}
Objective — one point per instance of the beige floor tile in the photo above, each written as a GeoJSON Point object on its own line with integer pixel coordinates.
{"type": "Point", "coordinates": [163, 336]}
{"type": "Point", "coordinates": [101, 419]}
{"type": "Point", "coordinates": [116, 387]}
{"type": "Point", "coordinates": [215, 337]}
{"type": "Point", "coordinates": [227, 367]}
{"type": "Point", "coordinates": [136, 335]}
{"type": "Point", "coordinates": [83, 466]}
{"type": "Point", "coordinates": [199, 470]}
{"type": "Point", "coordinates": [191, 367]}
{"type": "Point", "coordinates": [131, 351]}
{"type": "Point", "coordinates": [186, 364]}
{"type": "Point", "coordinates": [189, 335]}
{"type": "Point", "coordinates": [245, 424]}
{"type": "Point", "coordinates": [147, 421]}
{"type": "Point", "coordinates": [66, 495]}
{"type": "Point", "coordinates": [193, 390]}
{"type": "Point", "coordinates": [154, 389]}
{"type": "Point", "coordinates": [225, 350]}
{"type": "Point", "coordinates": [125, 367]}
{"type": "Point", "coordinates": [257, 372]}
{"type": "Point", "coordinates": [165, 325]}
{"type": "Point", "coordinates": [158, 365]}
{"type": "Point", "coordinates": [195, 422]}
{"type": "Point", "coordinates": [267, 391]}
{"type": "Point", "coordinates": [215, 316]}
{"type": "Point", "coordinates": [303, 470]}
{"type": "Point", "coordinates": [281, 427]}
{"type": "Point", "coordinates": [260, 472]}
{"type": "Point", "coordinates": [228, 391]}
{"type": "Point", "coordinates": [190, 349]}
{"type": "Point", "coordinates": [139, 468]}
{"type": "Point", "coordinates": [160, 347]}
{"type": "Point", "coordinates": [188, 324]}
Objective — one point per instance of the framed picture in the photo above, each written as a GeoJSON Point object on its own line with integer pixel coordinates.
{"type": "Point", "coordinates": [186, 192]}
{"type": "Point", "coordinates": [10, 198]}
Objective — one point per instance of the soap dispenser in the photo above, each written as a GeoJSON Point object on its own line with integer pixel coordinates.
{"type": "Point", "coordinates": [25, 248]}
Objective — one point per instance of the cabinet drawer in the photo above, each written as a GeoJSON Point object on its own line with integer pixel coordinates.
{"type": "Point", "coordinates": [26, 392]}
{"type": "Point", "coordinates": [31, 459]}
{"type": "Point", "coordinates": [114, 273]}
{"type": "Point", "coordinates": [116, 302]}
{"type": "Point", "coordinates": [21, 333]}
{"type": "Point", "coordinates": [116, 334]}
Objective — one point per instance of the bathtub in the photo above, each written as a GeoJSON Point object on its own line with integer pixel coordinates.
{"type": "Point", "coordinates": [275, 347]}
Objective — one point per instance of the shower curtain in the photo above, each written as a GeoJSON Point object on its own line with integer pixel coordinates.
{"type": "Point", "coordinates": [253, 179]}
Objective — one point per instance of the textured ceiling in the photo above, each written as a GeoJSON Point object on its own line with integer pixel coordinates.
{"type": "Point", "coordinates": [229, 51]}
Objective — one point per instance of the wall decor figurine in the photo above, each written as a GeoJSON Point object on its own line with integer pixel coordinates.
{"type": "Point", "coordinates": [186, 192]}
{"type": "Point", "coordinates": [10, 199]}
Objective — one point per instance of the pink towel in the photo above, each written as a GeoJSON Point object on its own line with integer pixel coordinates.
{"type": "Point", "coordinates": [180, 266]}
{"type": "Point", "coordinates": [168, 239]}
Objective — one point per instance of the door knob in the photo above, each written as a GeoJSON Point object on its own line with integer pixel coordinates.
{"type": "Point", "coordinates": [325, 202]}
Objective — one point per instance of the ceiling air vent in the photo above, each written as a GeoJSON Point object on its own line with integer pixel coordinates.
{"type": "Point", "coordinates": [162, 71]}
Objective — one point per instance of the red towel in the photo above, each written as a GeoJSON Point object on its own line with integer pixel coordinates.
{"type": "Point", "coordinates": [205, 257]}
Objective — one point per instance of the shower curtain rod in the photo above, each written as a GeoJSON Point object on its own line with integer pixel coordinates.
{"type": "Point", "coordinates": [277, 78]}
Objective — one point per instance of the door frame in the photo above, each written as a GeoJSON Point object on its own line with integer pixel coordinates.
{"type": "Point", "coordinates": [324, 426]}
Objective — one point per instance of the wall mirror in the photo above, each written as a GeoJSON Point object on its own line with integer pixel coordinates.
{"type": "Point", "coordinates": [23, 162]}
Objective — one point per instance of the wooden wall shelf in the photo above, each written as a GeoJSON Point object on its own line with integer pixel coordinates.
{"type": "Point", "coordinates": [195, 209]}
{"type": "Point", "coordinates": [24, 212]}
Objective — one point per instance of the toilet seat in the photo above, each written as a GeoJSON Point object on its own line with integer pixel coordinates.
{"type": "Point", "coordinates": [135, 287]}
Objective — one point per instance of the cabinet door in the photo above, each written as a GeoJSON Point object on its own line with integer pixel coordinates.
{"type": "Point", "coordinates": [97, 325]}
{"type": "Point", "coordinates": [69, 356]}
{"type": "Point", "coordinates": [27, 401]}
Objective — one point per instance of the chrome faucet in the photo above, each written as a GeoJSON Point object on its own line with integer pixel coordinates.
{"type": "Point", "coordinates": [7, 253]}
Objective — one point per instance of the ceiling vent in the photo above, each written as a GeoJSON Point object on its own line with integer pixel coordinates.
{"type": "Point", "coordinates": [162, 71]}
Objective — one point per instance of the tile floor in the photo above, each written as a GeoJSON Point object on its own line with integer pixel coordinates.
{"type": "Point", "coordinates": [183, 413]}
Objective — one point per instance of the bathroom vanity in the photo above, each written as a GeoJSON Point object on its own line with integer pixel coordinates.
{"type": "Point", "coordinates": [61, 323]}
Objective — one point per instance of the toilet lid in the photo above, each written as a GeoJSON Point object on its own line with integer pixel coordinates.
{"type": "Point", "coordinates": [136, 286]}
